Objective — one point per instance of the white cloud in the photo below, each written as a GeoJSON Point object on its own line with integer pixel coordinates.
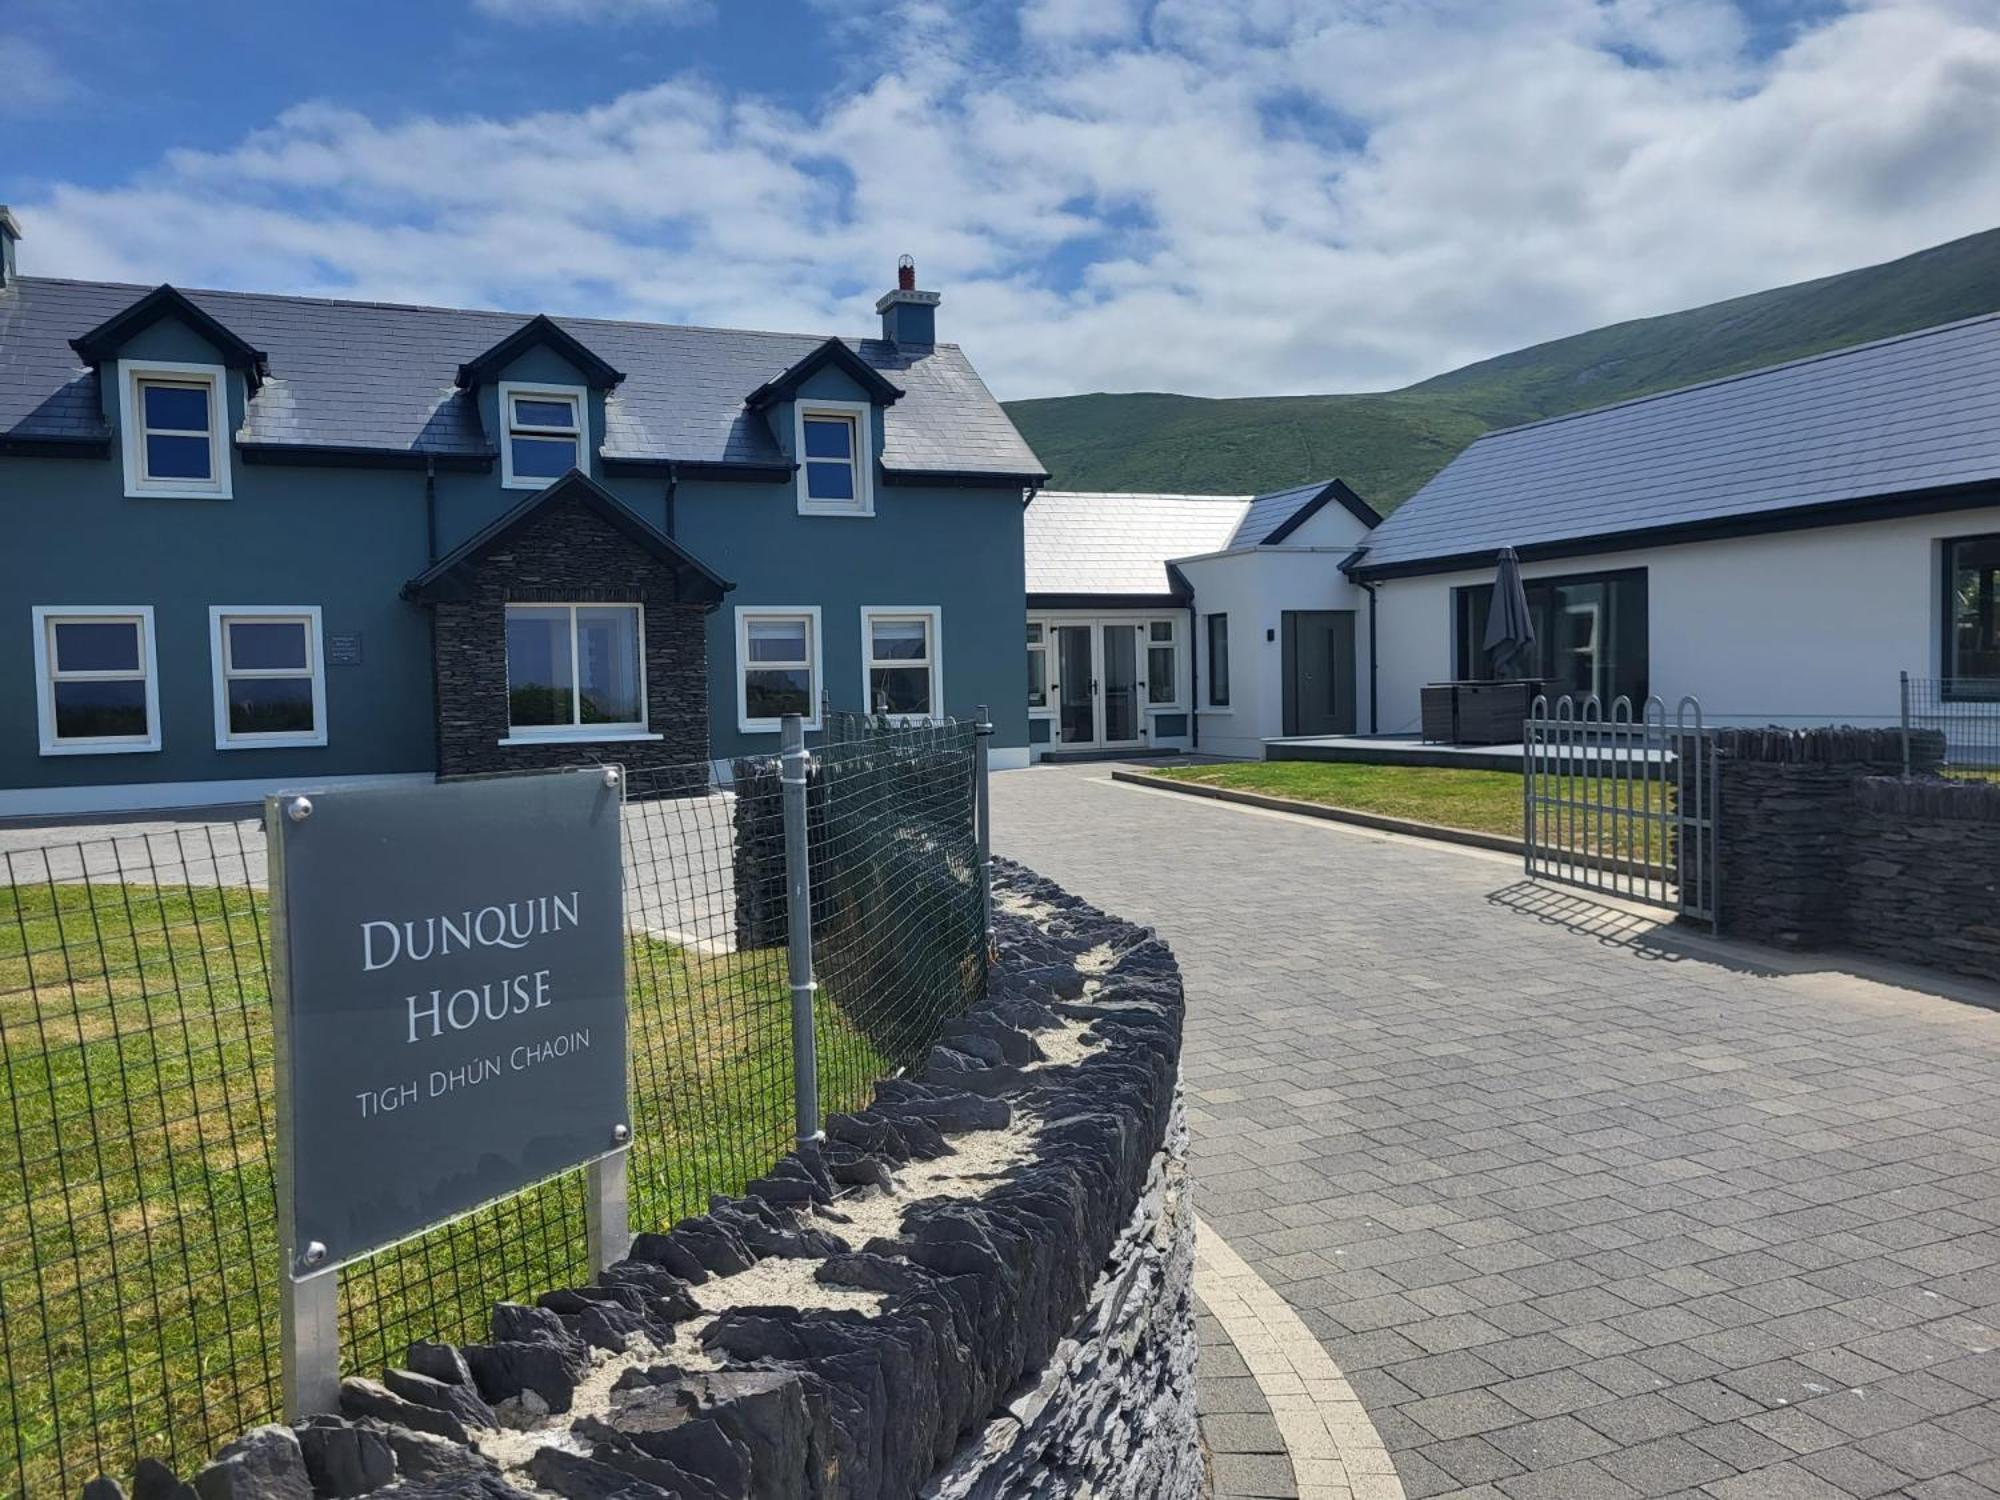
{"type": "Point", "coordinates": [1272, 196]}
{"type": "Point", "coordinates": [547, 12]}
{"type": "Point", "coordinates": [31, 81]}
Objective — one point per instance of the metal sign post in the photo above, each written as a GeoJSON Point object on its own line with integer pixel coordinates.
{"type": "Point", "coordinates": [309, 1304]}
{"type": "Point", "coordinates": [448, 999]}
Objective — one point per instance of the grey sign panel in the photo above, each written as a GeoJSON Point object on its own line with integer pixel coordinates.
{"type": "Point", "coordinates": [344, 650]}
{"type": "Point", "coordinates": [450, 996]}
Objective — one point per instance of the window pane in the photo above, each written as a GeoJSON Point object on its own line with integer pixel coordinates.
{"type": "Point", "coordinates": [531, 412]}
{"type": "Point", "coordinates": [543, 458]}
{"type": "Point", "coordinates": [177, 457]}
{"type": "Point", "coordinates": [1160, 674]}
{"type": "Point", "coordinates": [829, 437]}
{"type": "Point", "coordinates": [271, 705]}
{"type": "Point", "coordinates": [267, 645]}
{"type": "Point", "coordinates": [1038, 679]}
{"type": "Point", "coordinates": [1974, 646]}
{"type": "Point", "coordinates": [1163, 630]}
{"type": "Point", "coordinates": [899, 690]}
{"type": "Point", "coordinates": [99, 710]}
{"type": "Point", "coordinates": [1218, 660]}
{"type": "Point", "coordinates": [607, 649]}
{"type": "Point", "coordinates": [97, 646]}
{"type": "Point", "coordinates": [777, 640]}
{"type": "Point", "coordinates": [183, 408]}
{"type": "Point", "coordinates": [768, 693]}
{"type": "Point", "coordinates": [539, 690]}
{"type": "Point", "coordinates": [899, 640]}
{"type": "Point", "coordinates": [827, 481]}
{"type": "Point", "coordinates": [1034, 634]}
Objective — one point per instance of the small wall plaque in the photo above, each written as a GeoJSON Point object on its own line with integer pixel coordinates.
{"type": "Point", "coordinates": [344, 650]}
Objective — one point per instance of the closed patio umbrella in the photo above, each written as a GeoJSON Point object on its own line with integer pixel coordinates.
{"type": "Point", "coordinates": [1510, 629]}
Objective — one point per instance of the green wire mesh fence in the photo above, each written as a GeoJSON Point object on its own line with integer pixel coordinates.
{"type": "Point", "coordinates": [138, 1236]}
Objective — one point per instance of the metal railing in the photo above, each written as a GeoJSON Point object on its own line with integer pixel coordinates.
{"type": "Point", "coordinates": [1622, 803]}
{"type": "Point", "coordinates": [1966, 710]}
{"type": "Point", "coordinates": [139, 1262]}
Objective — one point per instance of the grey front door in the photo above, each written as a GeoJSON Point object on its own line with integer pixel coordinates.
{"type": "Point", "coordinates": [1319, 671]}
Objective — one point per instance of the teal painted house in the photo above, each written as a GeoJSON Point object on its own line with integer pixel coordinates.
{"type": "Point", "coordinates": [260, 540]}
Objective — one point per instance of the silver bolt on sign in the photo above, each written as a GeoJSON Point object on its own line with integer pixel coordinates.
{"type": "Point", "coordinates": [314, 1254]}
{"type": "Point", "coordinates": [300, 809]}
{"type": "Point", "coordinates": [621, 1132]}
{"type": "Point", "coordinates": [611, 776]}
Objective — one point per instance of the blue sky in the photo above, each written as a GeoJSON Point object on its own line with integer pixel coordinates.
{"type": "Point", "coordinates": [1253, 197]}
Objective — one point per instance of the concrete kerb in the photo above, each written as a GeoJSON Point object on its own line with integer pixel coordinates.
{"type": "Point", "coordinates": [1335, 1450]}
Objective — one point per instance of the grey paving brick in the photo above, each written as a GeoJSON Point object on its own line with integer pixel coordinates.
{"type": "Point", "coordinates": [1253, 1476]}
{"type": "Point", "coordinates": [1464, 1132]}
{"type": "Point", "coordinates": [1636, 1419]}
{"type": "Point", "coordinates": [1853, 1472]}
{"type": "Point", "coordinates": [1664, 1465]}
{"type": "Point", "coordinates": [1471, 1460]}
{"type": "Point", "coordinates": [1784, 1481]}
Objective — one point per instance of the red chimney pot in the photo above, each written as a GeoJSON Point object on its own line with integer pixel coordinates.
{"type": "Point", "coordinates": [906, 274]}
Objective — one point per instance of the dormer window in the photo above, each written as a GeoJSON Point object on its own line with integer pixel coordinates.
{"type": "Point", "coordinates": [547, 434]}
{"type": "Point", "coordinates": [836, 468]}
{"type": "Point", "coordinates": [172, 418]}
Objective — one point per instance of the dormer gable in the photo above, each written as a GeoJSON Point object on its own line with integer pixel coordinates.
{"type": "Point", "coordinates": [539, 332]}
{"type": "Point", "coordinates": [105, 342]}
{"type": "Point", "coordinates": [834, 354]}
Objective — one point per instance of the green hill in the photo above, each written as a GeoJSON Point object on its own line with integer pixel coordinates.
{"type": "Point", "coordinates": [1387, 445]}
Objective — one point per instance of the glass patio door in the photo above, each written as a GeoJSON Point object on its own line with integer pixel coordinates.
{"type": "Point", "coordinates": [1120, 647]}
{"type": "Point", "coordinates": [1075, 686]}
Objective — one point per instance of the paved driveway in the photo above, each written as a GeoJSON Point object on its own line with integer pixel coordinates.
{"type": "Point", "coordinates": [1580, 1209]}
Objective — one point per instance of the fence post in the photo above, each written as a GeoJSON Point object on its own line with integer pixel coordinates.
{"type": "Point", "coordinates": [1906, 724]}
{"type": "Point", "coordinates": [982, 772]}
{"type": "Point", "coordinates": [793, 763]}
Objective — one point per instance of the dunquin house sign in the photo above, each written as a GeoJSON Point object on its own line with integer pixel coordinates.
{"type": "Point", "coordinates": [450, 999]}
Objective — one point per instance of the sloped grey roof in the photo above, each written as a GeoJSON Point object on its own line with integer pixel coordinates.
{"type": "Point", "coordinates": [1268, 512]}
{"type": "Point", "coordinates": [1094, 543]}
{"type": "Point", "coordinates": [379, 375]}
{"type": "Point", "coordinates": [1910, 413]}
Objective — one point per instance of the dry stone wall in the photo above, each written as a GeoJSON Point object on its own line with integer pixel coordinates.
{"type": "Point", "coordinates": [1924, 882]}
{"type": "Point", "coordinates": [978, 1286]}
{"type": "Point", "coordinates": [1824, 843]}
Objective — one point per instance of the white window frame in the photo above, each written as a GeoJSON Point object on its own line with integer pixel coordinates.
{"type": "Point", "coordinates": [132, 429]}
{"type": "Point", "coordinates": [933, 616]}
{"type": "Point", "coordinates": [574, 732]}
{"type": "Point", "coordinates": [1041, 648]}
{"type": "Point", "coordinates": [863, 417]}
{"type": "Point", "coordinates": [1176, 703]}
{"type": "Point", "coordinates": [221, 673]}
{"type": "Point", "coordinates": [577, 395]}
{"type": "Point", "coordinates": [745, 614]}
{"type": "Point", "coordinates": [46, 617]}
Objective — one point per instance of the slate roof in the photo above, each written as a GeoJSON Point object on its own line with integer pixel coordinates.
{"type": "Point", "coordinates": [1272, 517]}
{"type": "Point", "coordinates": [1084, 543]}
{"type": "Point", "coordinates": [375, 376]}
{"type": "Point", "coordinates": [1917, 412]}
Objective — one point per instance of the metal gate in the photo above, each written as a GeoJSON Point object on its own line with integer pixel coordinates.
{"type": "Point", "coordinates": [1622, 804]}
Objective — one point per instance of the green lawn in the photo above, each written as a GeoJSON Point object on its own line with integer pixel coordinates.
{"type": "Point", "coordinates": [1478, 801]}
{"type": "Point", "coordinates": [1481, 801]}
{"type": "Point", "coordinates": [138, 1244]}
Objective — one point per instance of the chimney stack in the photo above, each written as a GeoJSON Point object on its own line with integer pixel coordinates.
{"type": "Point", "coordinates": [10, 231]}
{"type": "Point", "coordinates": [909, 317]}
